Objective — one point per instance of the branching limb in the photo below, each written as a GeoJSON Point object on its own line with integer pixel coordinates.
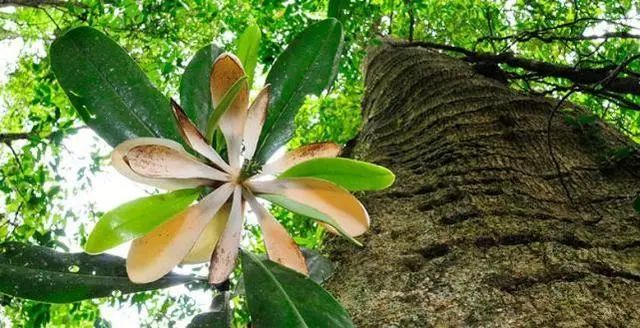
{"type": "Point", "coordinates": [10, 137]}
{"type": "Point", "coordinates": [14, 136]}
{"type": "Point", "coordinates": [552, 34]}
{"type": "Point", "coordinates": [618, 84]}
{"type": "Point", "coordinates": [38, 3]}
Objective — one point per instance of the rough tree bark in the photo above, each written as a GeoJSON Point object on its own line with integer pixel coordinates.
{"type": "Point", "coordinates": [483, 226]}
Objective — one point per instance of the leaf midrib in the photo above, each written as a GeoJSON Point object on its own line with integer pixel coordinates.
{"type": "Point", "coordinates": [115, 230]}
{"type": "Point", "coordinates": [92, 276]}
{"type": "Point", "coordinates": [115, 90]}
{"type": "Point", "coordinates": [333, 173]}
{"type": "Point", "coordinates": [280, 288]}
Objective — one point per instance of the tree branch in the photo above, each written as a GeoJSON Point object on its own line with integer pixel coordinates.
{"type": "Point", "coordinates": [38, 3]}
{"type": "Point", "coordinates": [574, 38]}
{"type": "Point", "coordinates": [10, 137]}
{"type": "Point", "coordinates": [544, 34]}
{"type": "Point", "coordinates": [617, 84]}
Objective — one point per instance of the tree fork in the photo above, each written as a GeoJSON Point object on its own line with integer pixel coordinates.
{"type": "Point", "coordinates": [478, 229]}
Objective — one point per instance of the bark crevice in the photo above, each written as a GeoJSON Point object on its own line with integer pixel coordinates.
{"type": "Point", "coordinates": [478, 229]}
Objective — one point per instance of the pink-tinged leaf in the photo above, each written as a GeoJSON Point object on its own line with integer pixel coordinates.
{"type": "Point", "coordinates": [280, 246]}
{"type": "Point", "coordinates": [195, 139]}
{"type": "Point", "coordinates": [203, 249]}
{"type": "Point", "coordinates": [158, 252]}
{"type": "Point", "coordinates": [301, 154]}
{"type": "Point", "coordinates": [227, 69]}
{"type": "Point", "coordinates": [255, 120]}
{"type": "Point", "coordinates": [156, 161]}
{"type": "Point", "coordinates": [329, 228]}
{"type": "Point", "coordinates": [117, 160]}
{"type": "Point", "coordinates": [224, 256]}
{"type": "Point", "coordinates": [324, 197]}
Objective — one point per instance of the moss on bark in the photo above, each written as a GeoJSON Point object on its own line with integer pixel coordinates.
{"type": "Point", "coordinates": [494, 220]}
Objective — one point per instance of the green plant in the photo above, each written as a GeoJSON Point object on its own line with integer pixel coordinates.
{"type": "Point", "coordinates": [115, 98]}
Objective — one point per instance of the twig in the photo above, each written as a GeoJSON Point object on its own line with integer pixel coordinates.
{"type": "Point", "coordinates": [603, 83]}
{"type": "Point", "coordinates": [412, 18]}
{"type": "Point", "coordinates": [539, 33]}
{"type": "Point", "coordinates": [51, 18]}
{"type": "Point", "coordinates": [14, 136]}
{"type": "Point", "coordinates": [550, 146]}
{"type": "Point", "coordinates": [15, 156]}
{"type": "Point", "coordinates": [14, 222]}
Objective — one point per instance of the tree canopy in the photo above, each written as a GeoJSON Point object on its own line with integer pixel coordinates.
{"type": "Point", "coordinates": [584, 51]}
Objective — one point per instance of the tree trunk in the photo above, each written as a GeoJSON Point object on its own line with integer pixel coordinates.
{"type": "Point", "coordinates": [485, 226]}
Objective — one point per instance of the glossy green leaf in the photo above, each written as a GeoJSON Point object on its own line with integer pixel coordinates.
{"type": "Point", "coordinates": [348, 173]}
{"type": "Point", "coordinates": [195, 92]}
{"type": "Point", "coordinates": [308, 66]}
{"type": "Point", "coordinates": [280, 297]}
{"type": "Point", "coordinates": [308, 211]}
{"type": "Point", "coordinates": [337, 9]}
{"type": "Point", "coordinates": [226, 101]}
{"type": "Point", "coordinates": [636, 204]}
{"type": "Point", "coordinates": [108, 89]}
{"type": "Point", "coordinates": [247, 50]}
{"type": "Point", "coordinates": [136, 218]}
{"type": "Point", "coordinates": [43, 274]}
{"type": "Point", "coordinates": [320, 268]}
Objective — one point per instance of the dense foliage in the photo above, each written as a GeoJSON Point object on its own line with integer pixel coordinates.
{"type": "Point", "coordinates": [41, 170]}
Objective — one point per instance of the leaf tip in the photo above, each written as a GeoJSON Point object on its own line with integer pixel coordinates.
{"type": "Point", "coordinates": [91, 247]}
{"type": "Point", "coordinates": [391, 178]}
{"type": "Point", "coordinates": [227, 56]}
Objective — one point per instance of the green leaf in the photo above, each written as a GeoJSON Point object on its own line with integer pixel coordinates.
{"type": "Point", "coordinates": [137, 218]}
{"type": "Point", "coordinates": [622, 153]}
{"type": "Point", "coordinates": [337, 9]}
{"type": "Point", "coordinates": [247, 50]}
{"type": "Point", "coordinates": [195, 91]}
{"type": "Point", "coordinates": [219, 144]}
{"type": "Point", "coordinates": [280, 297]}
{"type": "Point", "coordinates": [308, 211]}
{"type": "Point", "coordinates": [587, 119]}
{"type": "Point", "coordinates": [108, 89]}
{"type": "Point", "coordinates": [218, 317]}
{"type": "Point", "coordinates": [42, 274]}
{"type": "Point", "coordinates": [320, 268]}
{"type": "Point", "coordinates": [224, 104]}
{"type": "Point", "coordinates": [308, 66]}
{"type": "Point", "coordinates": [636, 204]}
{"type": "Point", "coordinates": [348, 173]}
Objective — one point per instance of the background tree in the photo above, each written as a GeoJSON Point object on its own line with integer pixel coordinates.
{"type": "Point", "coordinates": [582, 50]}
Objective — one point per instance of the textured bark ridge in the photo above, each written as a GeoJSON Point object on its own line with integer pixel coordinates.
{"type": "Point", "coordinates": [483, 227]}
